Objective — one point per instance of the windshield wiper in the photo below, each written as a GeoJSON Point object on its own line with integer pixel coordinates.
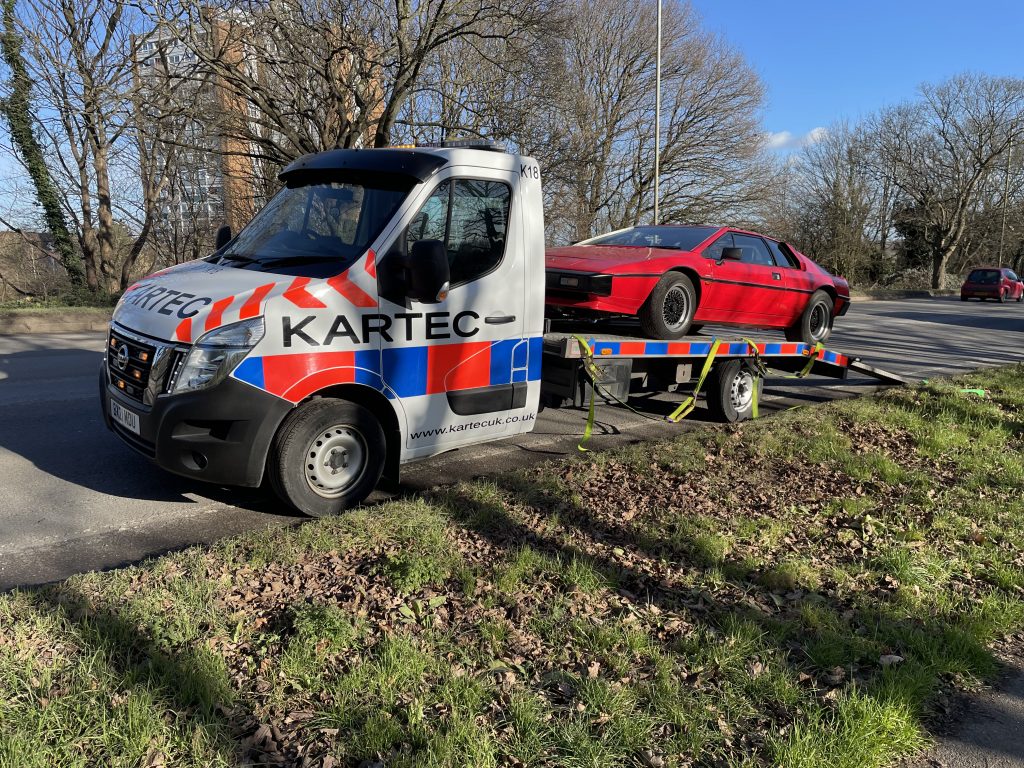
{"type": "Point", "coordinates": [310, 258]}
{"type": "Point", "coordinates": [237, 258]}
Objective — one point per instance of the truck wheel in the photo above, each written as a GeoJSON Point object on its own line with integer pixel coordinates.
{"type": "Point", "coordinates": [669, 310]}
{"type": "Point", "coordinates": [730, 391]}
{"type": "Point", "coordinates": [815, 324]}
{"type": "Point", "coordinates": [327, 457]}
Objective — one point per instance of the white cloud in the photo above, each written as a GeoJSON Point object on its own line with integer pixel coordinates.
{"type": "Point", "coordinates": [814, 136]}
{"type": "Point", "coordinates": [780, 140]}
{"type": "Point", "coordinates": [784, 140]}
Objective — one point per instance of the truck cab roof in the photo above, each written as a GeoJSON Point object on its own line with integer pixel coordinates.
{"type": "Point", "coordinates": [412, 163]}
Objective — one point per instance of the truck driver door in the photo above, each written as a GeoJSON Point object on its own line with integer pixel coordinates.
{"type": "Point", "coordinates": [462, 369]}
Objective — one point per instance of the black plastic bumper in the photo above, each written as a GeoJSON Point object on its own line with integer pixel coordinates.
{"type": "Point", "coordinates": [844, 306]}
{"type": "Point", "coordinates": [219, 435]}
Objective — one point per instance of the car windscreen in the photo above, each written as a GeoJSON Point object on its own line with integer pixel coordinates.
{"type": "Point", "coordinates": [315, 229]}
{"type": "Point", "coordinates": [984, 276]}
{"type": "Point", "coordinates": [675, 238]}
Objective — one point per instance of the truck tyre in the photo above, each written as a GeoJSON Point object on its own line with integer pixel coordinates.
{"type": "Point", "coordinates": [730, 391]}
{"type": "Point", "coordinates": [327, 456]}
{"type": "Point", "coordinates": [815, 324]}
{"type": "Point", "coordinates": [669, 310]}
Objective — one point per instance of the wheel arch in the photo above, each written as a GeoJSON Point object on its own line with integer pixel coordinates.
{"type": "Point", "coordinates": [376, 403]}
{"type": "Point", "coordinates": [831, 291]}
{"type": "Point", "coordinates": [694, 276]}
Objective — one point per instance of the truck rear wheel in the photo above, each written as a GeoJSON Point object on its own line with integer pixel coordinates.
{"type": "Point", "coordinates": [730, 391]}
{"type": "Point", "coordinates": [327, 457]}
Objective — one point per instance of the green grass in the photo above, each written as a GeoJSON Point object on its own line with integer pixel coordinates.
{"type": "Point", "coordinates": [798, 592]}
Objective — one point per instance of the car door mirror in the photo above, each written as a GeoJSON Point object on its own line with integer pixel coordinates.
{"type": "Point", "coordinates": [223, 236]}
{"type": "Point", "coordinates": [731, 254]}
{"type": "Point", "coordinates": [429, 272]}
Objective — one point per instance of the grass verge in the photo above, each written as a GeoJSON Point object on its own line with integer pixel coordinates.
{"type": "Point", "coordinates": [803, 591]}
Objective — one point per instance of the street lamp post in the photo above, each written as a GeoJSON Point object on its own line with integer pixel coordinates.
{"type": "Point", "coordinates": [657, 119]}
{"type": "Point", "coordinates": [1006, 194]}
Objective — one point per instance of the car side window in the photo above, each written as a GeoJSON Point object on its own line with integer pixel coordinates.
{"type": "Point", "coordinates": [754, 251]}
{"type": "Point", "coordinates": [470, 216]}
{"type": "Point", "coordinates": [1012, 275]}
{"type": "Point", "coordinates": [781, 259]}
{"type": "Point", "coordinates": [714, 251]}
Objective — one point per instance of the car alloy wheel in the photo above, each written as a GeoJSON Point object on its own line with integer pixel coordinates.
{"type": "Point", "coordinates": [676, 308]}
{"type": "Point", "coordinates": [819, 321]}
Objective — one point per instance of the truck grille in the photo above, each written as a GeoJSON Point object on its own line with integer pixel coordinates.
{"type": "Point", "coordinates": [141, 368]}
{"type": "Point", "coordinates": [129, 363]}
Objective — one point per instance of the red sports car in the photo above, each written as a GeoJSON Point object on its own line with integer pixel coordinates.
{"type": "Point", "coordinates": [677, 278]}
{"type": "Point", "coordinates": [997, 283]}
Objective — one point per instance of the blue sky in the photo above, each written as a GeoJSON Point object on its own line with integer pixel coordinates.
{"type": "Point", "coordinates": [832, 59]}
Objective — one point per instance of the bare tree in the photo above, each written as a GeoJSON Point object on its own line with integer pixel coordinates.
{"type": "Point", "coordinates": [942, 150]}
{"type": "Point", "coordinates": [109, 165]}
{"type": "Point", "coordinates": [307, 76]}
{"type": "Point", "coordinates": [837, 205]}
{"type": "Point", "coordinates": [712, 160]}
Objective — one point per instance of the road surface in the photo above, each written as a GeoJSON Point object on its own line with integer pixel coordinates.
{"type": "Point", "coordinates": [74, 498]}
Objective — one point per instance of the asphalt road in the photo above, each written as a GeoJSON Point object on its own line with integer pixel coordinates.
{"type": "Point", "coordinates": [74, 498]}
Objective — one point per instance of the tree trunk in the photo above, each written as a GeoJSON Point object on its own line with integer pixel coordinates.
{"type": "Point", "coordinates": [18, 111]}
{"type": "Point", "coordinates": [133, 254]}
{"type": "Point", "coordinates": [940, 258]}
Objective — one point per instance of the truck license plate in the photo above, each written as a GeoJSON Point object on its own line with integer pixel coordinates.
{"type": "Point", "coordinates": [127, 419]}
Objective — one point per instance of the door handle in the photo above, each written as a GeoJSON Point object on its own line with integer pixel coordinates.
{"type": "Point", "coordinates": [776, 275]}
{"type": "Point", "coordinates": [499, 319]}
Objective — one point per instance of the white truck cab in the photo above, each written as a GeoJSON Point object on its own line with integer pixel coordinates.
{"type": "Point", "coordinates": [386, 305]}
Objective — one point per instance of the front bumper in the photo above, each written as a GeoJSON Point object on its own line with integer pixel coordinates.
{"type": "Point", "coordinates": [219, 435]}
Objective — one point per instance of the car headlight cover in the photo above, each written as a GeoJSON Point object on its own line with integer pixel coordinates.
{"type": "Point", "coordinates": [216, 354]}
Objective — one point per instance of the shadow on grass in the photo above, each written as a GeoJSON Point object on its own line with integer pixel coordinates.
{"type": "Point", "coordinates": [817, 632]}
{"type": "Point", "coordinates": [189, 688]}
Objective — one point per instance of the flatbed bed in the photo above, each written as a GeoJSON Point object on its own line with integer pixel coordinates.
{"type": "Point", "coordinates": [621, 364]}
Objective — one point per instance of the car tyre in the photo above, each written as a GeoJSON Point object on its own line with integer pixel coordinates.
{"type": "Point", "coordinates": [963, 298]}
{"type": "Point", "coordinates": [730, 389]}
{"type": "Point", "coordinates": [327, 456]}
{"type": "Point", "coordinates": [1002, 296]}
{"type": "Point", "coordinates": [815, 323]}
{"type": "Point", "coordinates": [669, 310]}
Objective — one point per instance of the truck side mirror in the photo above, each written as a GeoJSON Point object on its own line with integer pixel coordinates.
{"type": "Point", "coordinates": [429, 273]}
{"type": "Point", "coordinates": [732, 254]}
{"type": "Point", "coordinates": [223, 236]}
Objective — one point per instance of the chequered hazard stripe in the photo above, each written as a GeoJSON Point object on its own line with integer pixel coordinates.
{"type": "Point", "coordinates": [303, 292]}
{"type": "Point", "coordinates": [703, 349]}
{"type": "Point", "coordinates": [398, 371]}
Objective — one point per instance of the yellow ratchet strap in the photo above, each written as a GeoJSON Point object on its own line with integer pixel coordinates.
{"type": "Point", "coordinates": [587, 356]}
{"type": "Point", "coordinates": [690, 402]}
{"type": "Point", "coordinates": [813, 354]}
{"type": "Point", "coordinates": [760, 371]}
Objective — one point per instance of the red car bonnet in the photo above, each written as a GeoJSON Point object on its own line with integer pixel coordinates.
{"type": "Point", "coordinates": [601, 258]}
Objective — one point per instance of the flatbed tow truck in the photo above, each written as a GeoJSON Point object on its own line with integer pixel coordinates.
{"type": "Point", "coordinates": [387, 305]}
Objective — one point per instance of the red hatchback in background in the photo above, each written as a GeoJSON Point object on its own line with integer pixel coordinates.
{"type": "Point", "coordinates": [677, 278]}
{"type": "Point", "coordinates": [996, 283]}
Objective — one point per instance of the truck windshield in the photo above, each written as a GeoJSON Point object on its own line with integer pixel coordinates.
{"type": "Point", "coordinates": [675, 238]}
{"type": "Point", "coordinates": [314, 230]}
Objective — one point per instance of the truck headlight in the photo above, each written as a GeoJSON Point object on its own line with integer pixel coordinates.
{"type": "Point", "coordinates": [216, 354]}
